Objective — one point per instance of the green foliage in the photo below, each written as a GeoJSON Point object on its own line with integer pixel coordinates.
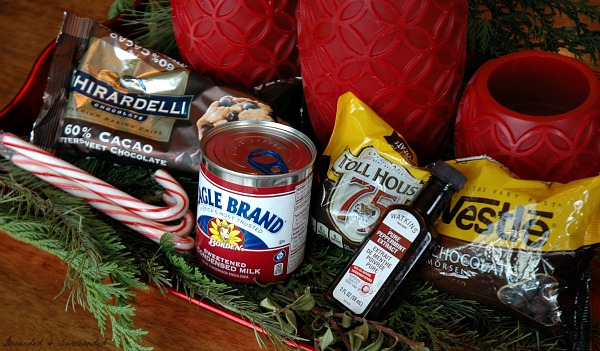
{"type": "Point", "coordinates": [498, 27]}
{"type": "Point", "coordinates": [101, 275]}
{"type": "Point", "coordinates": [120, 6]}
{"type": "Point", "coordinates": [107, 263]}
{"type": "Point", "coordinates": [151, 24]}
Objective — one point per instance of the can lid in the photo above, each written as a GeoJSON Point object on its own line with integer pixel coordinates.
{"type": "Point", "coordinates": [449, 175]}
{"type": "Point", "coordinates": [258, 148]}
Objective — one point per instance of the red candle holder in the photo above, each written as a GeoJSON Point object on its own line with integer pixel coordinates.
{"type": "Point", "coordinates": [536, 112]}
{"type": "Point", "coordinates": [238, 43]}
{"type": "Point", "coordinates": [405, 59]}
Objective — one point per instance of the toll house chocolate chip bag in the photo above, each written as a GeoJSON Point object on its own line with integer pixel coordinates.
{"type": "Point", "coordinates": [111, 98]}
{"type": "Point", "coordinates": [366, 167]}
{"type": "Point", "coordinates": [520, 246]}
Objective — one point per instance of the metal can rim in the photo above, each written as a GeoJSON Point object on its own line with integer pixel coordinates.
{"type": "Point", "coordinates": [296, 174]}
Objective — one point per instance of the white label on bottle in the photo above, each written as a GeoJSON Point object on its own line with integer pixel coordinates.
{"type": "Point", "coordinates": [377, 260]}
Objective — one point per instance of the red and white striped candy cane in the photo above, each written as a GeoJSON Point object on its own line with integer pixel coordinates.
{"type": "Point", "coordinates": [174, 195]}
{"type": "Point", "coordinates": [148, 228]}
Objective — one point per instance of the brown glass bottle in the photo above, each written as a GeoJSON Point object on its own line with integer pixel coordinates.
{"type": "Point", "coordinates": [398, 239]}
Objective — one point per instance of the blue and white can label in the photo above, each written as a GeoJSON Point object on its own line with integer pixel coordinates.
{"type": "Point", "coordinates": [251, 225]}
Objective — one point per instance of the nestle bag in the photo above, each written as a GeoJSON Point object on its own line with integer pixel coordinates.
{"type": "Point", "coordinates": [520, 246]}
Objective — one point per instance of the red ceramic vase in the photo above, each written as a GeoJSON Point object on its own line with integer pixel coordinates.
{"type": "Point", "coordinates": [405, 59]}
{"type": "Point", "coordinates": [538, 113]}
{"type": "Point", "coordinates": [239, 43]}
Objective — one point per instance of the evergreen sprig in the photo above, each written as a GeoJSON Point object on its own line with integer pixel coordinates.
{"type": "Point", "coordinates": [100, 274]}
{"type": "Point", "coordinates": [150, 22]}
{"type": "Point", "coordinates": [107, 262]}
{"type": "Point", "coordinates": [499, 27]}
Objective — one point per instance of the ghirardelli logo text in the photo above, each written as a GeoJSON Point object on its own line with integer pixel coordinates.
{"type": "Point", "coordinates": [513, 224]}
{"type": "Point", "coordinates": [105, 96]}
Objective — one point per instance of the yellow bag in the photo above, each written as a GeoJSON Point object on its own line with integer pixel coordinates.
{"type": "Point", "coordinates": [366, 167]}
{"type": "Point", "coordinates": [520, 246]}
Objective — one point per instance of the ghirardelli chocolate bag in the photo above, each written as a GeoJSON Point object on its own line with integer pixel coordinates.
{"type": "Point", "coordinates": [109, 97]}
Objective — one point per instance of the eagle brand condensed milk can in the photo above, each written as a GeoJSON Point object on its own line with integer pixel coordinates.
{"type": "Point", "coordinates": [253, 200]}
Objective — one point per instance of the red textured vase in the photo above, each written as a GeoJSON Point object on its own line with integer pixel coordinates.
{"type": "Point", "coordinates": [239, 43]}
{"type": "Point", "coordinates": [538, 113]}
{"type": "Point", "coordinates": [405, 59]}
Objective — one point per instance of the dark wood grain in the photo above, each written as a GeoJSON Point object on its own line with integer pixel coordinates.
{"type": "Point", "coordinates": [34, 310]}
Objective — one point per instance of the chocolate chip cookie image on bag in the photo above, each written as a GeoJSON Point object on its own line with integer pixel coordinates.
{"type": "Point", "coordinates": [230, 109]}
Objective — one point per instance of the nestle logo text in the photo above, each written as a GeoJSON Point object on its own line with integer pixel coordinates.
{"type": "Point", "coordinates": [492, 217]}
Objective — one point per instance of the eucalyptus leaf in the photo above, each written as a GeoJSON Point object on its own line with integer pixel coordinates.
{"type": "Point", "coordinates": [362, 331]}
{"type": "Point", "coordinates": [355, 341]}
{"type": "Point", "coordinates": [347, 320]}
{"type": "Point", "coordinates": [326, 339]}
{"type": "Point", "coordinates": [290, 316]}
{"type": "Point", "coordinates": [305, 302]}
{"type": "Point", "coordinates": [285, 326]}
{"type": "Point", "coordinates": [377, 344]}
{"type": "Point", "coordinates": [268, 304]}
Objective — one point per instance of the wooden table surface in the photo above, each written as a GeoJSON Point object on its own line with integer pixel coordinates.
{"type": "Point", "coordinates": [31, 308]}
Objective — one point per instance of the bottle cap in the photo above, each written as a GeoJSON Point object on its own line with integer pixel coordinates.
{"type": "Point", "coordinates": [449, 175]}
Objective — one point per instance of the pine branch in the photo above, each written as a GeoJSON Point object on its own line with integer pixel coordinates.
{"type": "Point", "coordinates": [103, 281]}
{"type": "Point", "coordinates": [152, 26]}
{"type": "Point", "coordinates": [100, 276]}
{"type": "Point", "coordinates": [187, 276]}
{"type": "Point", "coordinates": [498, 27]}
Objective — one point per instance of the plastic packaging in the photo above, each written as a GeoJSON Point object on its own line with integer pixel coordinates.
{"type": "Point", "coordinates": [366, 167]}
{"type": "Point", "coordinates": [521, 247]}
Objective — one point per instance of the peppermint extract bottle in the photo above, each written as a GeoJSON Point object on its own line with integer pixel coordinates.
{"type": "Point", "coordinates": [398, 239]}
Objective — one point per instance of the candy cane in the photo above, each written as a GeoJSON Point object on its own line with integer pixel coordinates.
{"type": "Point", "coordinates": [174, 195]}
{"type": "Point", "coordinates": [148, 228]}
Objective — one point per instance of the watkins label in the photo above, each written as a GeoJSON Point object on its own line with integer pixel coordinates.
{"type": "Point", "coordinates": [368, 184]}
{"type": "Point", "coordinates": [251, 233]}
{"type": "Point", "coordinates": [377, 260]}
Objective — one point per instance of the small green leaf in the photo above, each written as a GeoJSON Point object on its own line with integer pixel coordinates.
{"type": "Point", "coordinates": [376, 345]}
{"type": "Point", "coordinates": [284, 325]}
{"type": "Point", "coordinates": [305, 302]}
{"type": "Point", "coordinates": [268, 304]}
{"type": "Point", "coordinates": [347, 321]}
{"type": "Point", "coordinates": [355, 341]}
{"type": "Point", "coordinates": [291, 318]}
{"type": "Point", "coordinates": [326, 340]}
{"type": "Point", "coordinates": [362, 331]}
